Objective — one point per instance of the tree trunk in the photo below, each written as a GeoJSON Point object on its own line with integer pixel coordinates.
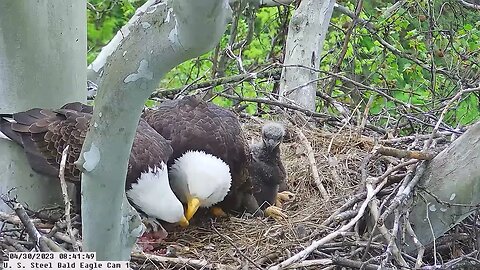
{"type": "Point", "coordinates": [159, 36]}
{"type": "Point", "coordinates": [42, 64]}
{"type": "Point", "coordinates": [306, 33]}
{"type": "Point", "coordinates": [453, 176]}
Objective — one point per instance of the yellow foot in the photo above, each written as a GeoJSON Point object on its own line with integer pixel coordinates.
{"type": "Point", "coordinates": [275, 212]}
{"type": "Point", "coordinates": [218, 212]}
{"type": "Point", "coordinates": [283, 197]}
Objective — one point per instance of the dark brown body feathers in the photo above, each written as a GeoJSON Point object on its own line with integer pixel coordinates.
{"type": "Point", "coordinates": [192, 124]}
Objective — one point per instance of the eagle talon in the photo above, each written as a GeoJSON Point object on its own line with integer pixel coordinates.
{"type": "Point", "coordinates": [275, 212]}
{"type": "Point", "coordinates": [283, 197]}
{"type": "Point", "coordinates": [218, 212]}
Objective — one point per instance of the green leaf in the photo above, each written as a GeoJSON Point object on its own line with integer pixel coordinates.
{"type": "Point", "coordinates": [468, 27]}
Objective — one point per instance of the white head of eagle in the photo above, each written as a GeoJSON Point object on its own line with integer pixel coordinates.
{"type": "Point", "coordinates": [200, 180]}
{"type": "Point", "coordinates": [153, 195]}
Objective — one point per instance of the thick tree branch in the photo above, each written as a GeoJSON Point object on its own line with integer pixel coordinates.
{"type": "Point", "coordinates": [158, 37]}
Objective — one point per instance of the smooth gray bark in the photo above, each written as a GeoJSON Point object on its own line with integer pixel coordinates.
{"type": "Point", "coordinates": [157, 38]}
{"type": "Point", "coordinates": [306, 33]}
{"type": "Point", "coordinates": [42, 64]}
{"type": "Point", "coordinates": [453, 176]}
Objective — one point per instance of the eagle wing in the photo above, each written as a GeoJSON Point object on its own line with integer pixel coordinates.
{"type": "Point", "coordinates": [45, 133]}
{"type": "Point", "coordinates": [149, 150]}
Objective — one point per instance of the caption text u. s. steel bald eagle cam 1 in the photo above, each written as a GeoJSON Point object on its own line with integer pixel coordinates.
{"type": "Point", "coordinates": [60, 260]}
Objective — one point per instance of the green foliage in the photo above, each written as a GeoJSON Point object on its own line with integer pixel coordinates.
{"type": "Point", "coordinates": [453, 45]}
{"type": "Point", "coordinates": [104, 19]}
{"type": "Point", "coordinates": [450, 41]}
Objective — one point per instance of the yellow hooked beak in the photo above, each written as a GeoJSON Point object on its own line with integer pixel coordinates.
{"type": "Point", "coordinates": [183, 222]}
{"type": "Point", "coordinates": [192, 207]}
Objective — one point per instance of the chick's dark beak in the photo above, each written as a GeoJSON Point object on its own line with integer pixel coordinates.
{"type": "Point", "coordinates": [271, 144]}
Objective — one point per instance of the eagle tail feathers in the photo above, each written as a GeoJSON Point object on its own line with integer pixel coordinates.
{"type": "Point", "coordinates": [6, 129]}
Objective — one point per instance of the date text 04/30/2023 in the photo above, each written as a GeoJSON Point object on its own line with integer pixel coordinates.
{"type": "Point", "coordinates": [60, 260]}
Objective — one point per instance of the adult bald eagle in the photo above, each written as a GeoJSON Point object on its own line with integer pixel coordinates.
{"type": "Point", "coordinates": [267, 170]}
{"type": "Point", "coordinates": [45, 133]}
{"type": "Point", "coordinates": [210, 160]}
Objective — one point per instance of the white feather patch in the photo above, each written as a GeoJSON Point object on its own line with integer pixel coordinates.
{"type": "Point", "coordinates": [153, 195]}
{"type": "Point", "coordinates": [201, 175]}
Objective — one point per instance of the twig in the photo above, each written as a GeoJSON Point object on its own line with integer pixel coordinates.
{"type": "Point", "coordinates": [390, 170]}
{"type": "Point", "coordinates": [415, 137]}
{"type": "Point", "coordinates": [15, 220]}
{"type": "Point", "coordinates": [444, 111]}
{"type": "Point", "coordinates": [356, 264]}
{"type": "Point", "coordinates": [225, 80]}
{"type": "Point", "coordinates": [352, 201]}
{"type": "Point", "coordinates": [302, 255]}
{"type": "Point", "coordinates": [63, 237]}
{"type": "Point", "coordinates": [30, 228]}
{"type": "Point", "coordinates": [365, 113]}
{"type": "Point", "coordinates": [281, 105]}
{"type": "Point", "coordinates": [418, 244]}
{"type": "Point", "coordinates": [66, 200]}
{"type": "Point", "coordinates": [313, 164]}
{"type": "Point", "coordinates": [392, 247]}
{"type": "Point", "coordinates": [15, 244]}
{"type": "Point", "coordinates": [203, 264]}
{"type": "Point", "coordinates": [310, 263]}
{"type": "Point", "coordinates": [470, 5]}
{"type": "Point", "coordinates": [399, 153]}
{"type": "Point", "coordinates": [404, 193]}
{"type": "Point", "coordinates": [235, 247]}
{"type": "Point", "coordinates": [374, 210]}
{"type": "Point", "coordinates": [52, 245]}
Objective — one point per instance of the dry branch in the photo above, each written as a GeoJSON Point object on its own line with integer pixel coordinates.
{"type": "Point", "coordinates": [302, 255]}
{"type": "Point", "coordinates": [399, 153]}
{"type": "Point", "coordinates": [14, 219]}
{"type": "Point", "coordinates": [313, 164]}
{"type": "Point", "coordinates": [267, 73]}
{"type": "Point", "coordinates": [66, 200]}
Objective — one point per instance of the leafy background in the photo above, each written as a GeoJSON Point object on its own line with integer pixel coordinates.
{"type": "Point", "coordinates": [448, 40]}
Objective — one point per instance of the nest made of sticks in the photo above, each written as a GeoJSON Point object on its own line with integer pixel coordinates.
{"type": "Point", "coordinates": [314, 159]}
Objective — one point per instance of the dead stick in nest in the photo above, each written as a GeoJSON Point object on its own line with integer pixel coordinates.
{"type": "Point", "coordinates": [400, 198]}
{"type": "Point", "coordinates": [202, 264]}
{"type": "Point", "coordinates": [43, 243]}
{"type": "Point", "coordinates": [356, 264]}
{"type": "Point", "coordinates": [235, 247]}
{"type": "Point", "coordinates": [418, 244]}
{"type": "Point", "coordinates": [313, 164]}
{"type": "Point", "coordinates": [392, 247]}
{"type": "Point", "coordinates": [29, 227]}
{"type": "Point", "coordinates": [399, 153]}
{"type": "Point", "coordinates": [15, 244]}
{"type": "Point", "coordinates": [66, 200]}
{"type": "Point", "coordinates": [365, 114]}
{"type": "Point", "coordinates": [302, 255]}
{"type": "Point", "coordinates": [445, 110]}
{"type": "Point", "coordinates": [310, 263]}
{"type": "Point", "coordinates": [15, 220]}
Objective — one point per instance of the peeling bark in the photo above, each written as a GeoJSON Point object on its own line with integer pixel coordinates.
{"type": "Point", "coordinates": [157, 38]}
